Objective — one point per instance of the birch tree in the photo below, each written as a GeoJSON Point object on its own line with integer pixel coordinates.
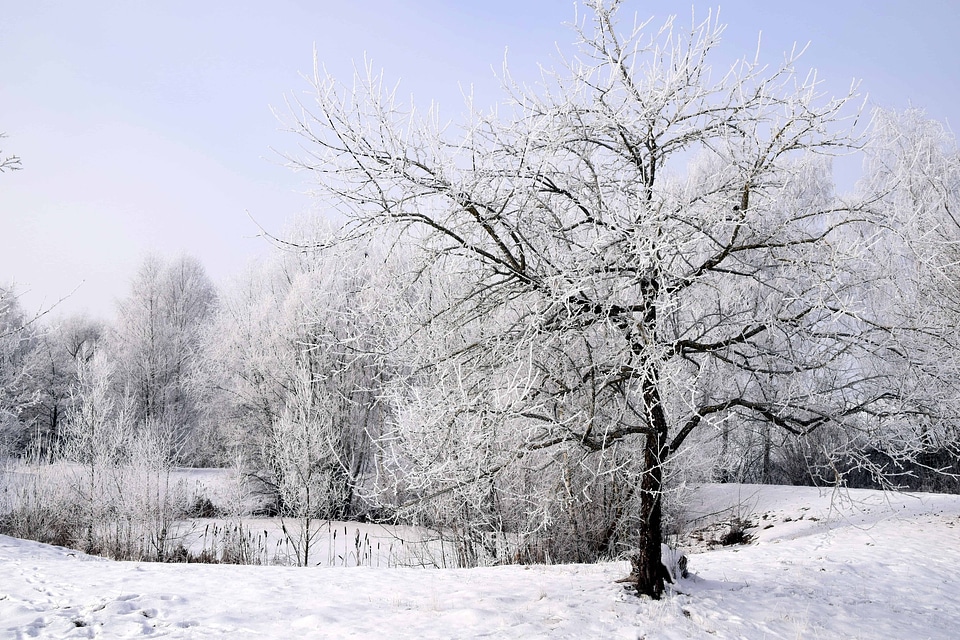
{"type": "Point", "coordinates": [645, 247]}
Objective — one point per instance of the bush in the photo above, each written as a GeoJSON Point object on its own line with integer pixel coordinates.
{"type": "Point", "coordinates": [202, 507]}
{"type": "Point", "coordinates": [736, 532]}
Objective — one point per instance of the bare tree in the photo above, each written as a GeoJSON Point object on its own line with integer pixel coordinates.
{"type": "Point", "coordinates": [123, 499]}
{"type": "Point", "coordinates": [913, 167]}
{"type": "Point", "coordinates": [9, 163]}
{"type": "Point", "coordinates": [295, 347]}
{"type": "Point", "coordinates": [644, 248]}
{"type": "Point", "coordinates": [18, 395]}
{"type": "Point", "coordinates": [52, 372]}
{"type": "Point", "coordinates": [156, 341]}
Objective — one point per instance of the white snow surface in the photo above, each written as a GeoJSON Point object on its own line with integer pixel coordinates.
{"type": "Point", "coordinates": [852, 564]}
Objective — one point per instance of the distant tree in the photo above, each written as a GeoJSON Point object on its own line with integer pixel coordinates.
{"type": "Point", "coordinates": [292, 345]}
{"type": "Point", "coordinates": [51, 371]}
{"type": "Point", "coordinates": [157, 339]}
{"type": "Point", "coordinates": [913, 169]}
{"type": "Point", "coordinates": [645, 251]}
{"type": "Point", "coordinates": [16, 396]}
{"type": "Point", "coordinates": [123, 502]}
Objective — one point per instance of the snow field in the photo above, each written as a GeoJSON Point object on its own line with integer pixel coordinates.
{"type": "Point", "coordinates": [859, 564]}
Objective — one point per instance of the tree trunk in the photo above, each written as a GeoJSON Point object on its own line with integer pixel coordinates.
{"type": "Point", "coordinates": [647, 564]}
{"type": "Point", "coordinates": [765, 469]}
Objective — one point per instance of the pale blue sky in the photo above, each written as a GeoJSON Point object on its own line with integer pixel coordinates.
{"type": "Point", "coordinates": [146, 126]}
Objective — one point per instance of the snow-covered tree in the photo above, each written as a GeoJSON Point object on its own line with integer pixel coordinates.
{"type": "Point", "coordinates": [913, 173]}
{"type": "Point", "coordinates": [51, 370]}
{"type": "Point", "coordinates": [157, 339]}
{"type": "Point", "coordinates": [294, 344]}
{"type": "Point", "coordinates": [16, 398]}
{"type": "Point", "coordinates": [647, 249]}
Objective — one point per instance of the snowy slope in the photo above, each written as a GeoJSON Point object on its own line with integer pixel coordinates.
{"type": "Point", "coordinates": [854, 565]}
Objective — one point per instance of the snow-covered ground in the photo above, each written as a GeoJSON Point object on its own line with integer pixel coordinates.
{"type": "Point", "coordinates": [858, 564]}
